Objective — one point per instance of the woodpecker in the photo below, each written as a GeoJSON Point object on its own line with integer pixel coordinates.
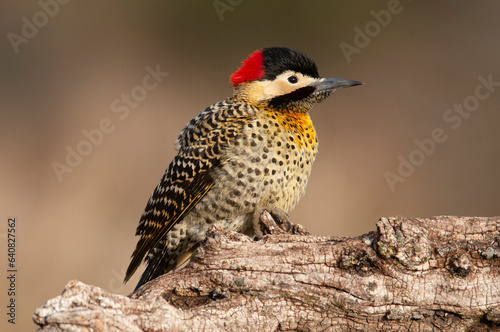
{"type": "Point", "coordinates": [250, 152]}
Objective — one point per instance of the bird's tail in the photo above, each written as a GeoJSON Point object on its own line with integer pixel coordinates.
{"type": "Point", "coordinates": [164, 263]}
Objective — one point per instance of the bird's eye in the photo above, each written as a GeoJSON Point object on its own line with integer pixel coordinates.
{"type": "Point", "coordinates": [293, 79]}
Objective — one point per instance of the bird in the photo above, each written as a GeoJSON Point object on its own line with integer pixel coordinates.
{"type": "Point", "coordinates": [249, 152]}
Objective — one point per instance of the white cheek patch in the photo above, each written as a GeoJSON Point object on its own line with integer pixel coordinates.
{"type": "Point", "coordinates": [280, 86]}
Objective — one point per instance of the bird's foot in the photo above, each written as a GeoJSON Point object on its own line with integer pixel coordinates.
{"type": "Point", "coordinates": [271, 220]}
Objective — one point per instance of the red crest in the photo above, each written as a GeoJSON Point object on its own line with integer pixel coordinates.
{"type": "Point", "coordinates": [251, 69]}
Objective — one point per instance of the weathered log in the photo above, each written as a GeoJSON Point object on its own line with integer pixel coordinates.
{"type": "Point", "coordinates": [434, 274]}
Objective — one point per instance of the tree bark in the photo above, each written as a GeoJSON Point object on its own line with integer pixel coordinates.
{"type": "Point", "coordinates": [412, 274]}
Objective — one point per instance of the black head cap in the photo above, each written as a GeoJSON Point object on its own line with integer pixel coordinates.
{"type": "Point", "coordinates": [280, 59]}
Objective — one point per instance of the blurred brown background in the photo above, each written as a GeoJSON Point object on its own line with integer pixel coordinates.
{"type": "Point", "coordinates": [63, 79]}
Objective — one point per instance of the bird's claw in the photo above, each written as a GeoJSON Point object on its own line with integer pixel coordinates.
{"type": "Point", "coordinates": [271, 220]}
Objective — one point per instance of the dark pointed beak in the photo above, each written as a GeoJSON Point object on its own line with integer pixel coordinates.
{"type": "Point", "coordinates": [330, 84]}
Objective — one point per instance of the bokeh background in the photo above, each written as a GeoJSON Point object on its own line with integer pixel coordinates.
{"type": "Point", "coordinates": [63, 79]}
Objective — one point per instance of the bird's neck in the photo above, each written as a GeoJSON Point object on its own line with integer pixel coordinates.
{"type": "Point", "coordinates": [298, 124]}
